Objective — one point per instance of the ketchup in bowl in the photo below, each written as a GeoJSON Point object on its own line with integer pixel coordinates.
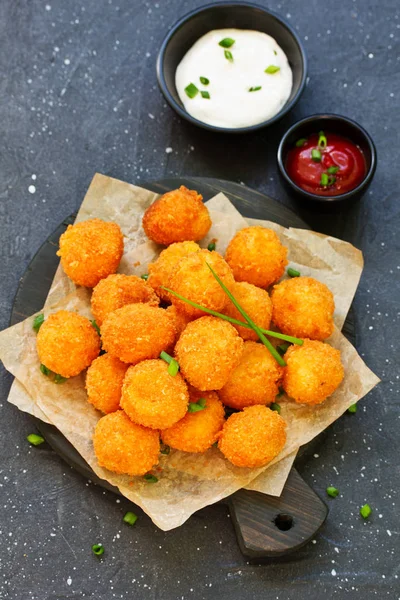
{"type": "Point", "coordinates": [326, 164]}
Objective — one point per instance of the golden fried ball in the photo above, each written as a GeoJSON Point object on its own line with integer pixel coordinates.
{"type": "Point", "coordinates": [255, 302]}
{"type": "Point", "coordinates": [179, 319]}
{"type": "Point", "coordinates": [67, 343]}
{"type": "Point", "coordinates": [207, 351]}
{"type": "Point", "coordinates": [194, 280]}
{"type": "Point", "coordinates": [152, 397]}
{"type": "Point", "coordinates": [255, 380]}
{"type": "Point", "coordinates": [115, 291]}
{"type": "Point", "coordinates": [136, 332]}
{"type": "Point", "coordinates": [104, 380]}
{"type": "Point", "coordinates": [253, 437]}
{"type": "Point", "coordinates": [125, 447]}
{"type": "Point", "coordinates": [160, 272]}
{"type": "Point", "coordinates": [313, 372]}
{"type": "Point", "coordinates": [90, 251]}
{"type": "Point", "coordinates": [177, 216]}
{"type": "Point", "coordinates": [197, 431]}
{"type": "Point", "coordinates": [303, 307]}
{"type": "Point", "coordinates": [256, 255]}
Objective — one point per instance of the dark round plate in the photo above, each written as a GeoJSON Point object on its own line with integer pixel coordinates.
{"type": "Point", "coordinates": [36, 281]}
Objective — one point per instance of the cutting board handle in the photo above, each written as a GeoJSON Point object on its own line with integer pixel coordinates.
{"type": "Point", "coordinates": [268, 526]}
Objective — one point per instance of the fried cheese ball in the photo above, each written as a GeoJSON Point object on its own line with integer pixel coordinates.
{"type": "Point", "coordinates": [160, 272]}
{"type": "Point", "coordinates": [303, 307]}
{"type": "Point", "coordinates": [152, 397]}
{"type": "Point", "coordinates": [90, 251]}
{"type": "Point", "coordinates": [104, 380]}
{"type": "Point", "coordinates": [137, 332]}
{"type": "Point", "coordinates": [179, 319]}
{"type": "Point", "coordinates": [67, 343]}
{"type": "Point", "coordinates": [256, 255]}
{"type": "Point", "coordinates": [313, 372]}
{"type": "Point", "coordinates": [194, 280]}
{"type": "Point", "coordinates": [208, 351]}
{"type": "Point", "coordinates": [255, 380]}
{"type": "Point", "coordinates": [116, 291]}
{"type": "Point", "coordinates": [255, 302]}
{"type": "Point", "coordinates": [197, 431]}
{"type": "Point", "coordinates": [253, 437]}
{"type": "Point", "coordinates": [125, 447]}
{"type": "Point", "coordinates": [177, 216]}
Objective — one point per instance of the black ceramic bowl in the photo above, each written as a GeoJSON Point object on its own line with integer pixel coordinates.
{"type": "Point", "coordinates": [339, 125]}
{"type": "Point", "coordinates": [219, 15]}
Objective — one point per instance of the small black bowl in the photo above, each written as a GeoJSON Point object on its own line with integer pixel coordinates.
{"type": "Point", "coordinates": [339, 125]}
{"type": "Point", "coordinates": [220, 15]}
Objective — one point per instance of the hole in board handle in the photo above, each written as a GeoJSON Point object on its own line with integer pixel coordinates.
{"type": "Point", "coordinates": [283, 522]}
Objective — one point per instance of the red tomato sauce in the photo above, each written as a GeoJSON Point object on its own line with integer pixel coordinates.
{"type": "Point", "coordinates": [341, 162]}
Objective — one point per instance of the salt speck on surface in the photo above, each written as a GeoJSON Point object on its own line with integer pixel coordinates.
{"type": "Point", "coordinates": [67, 61]}
{"type": "Point", "coordinates": [48, 7]}
{"type": "Point", "coordinates": [333, 572]}
{"type": "Point", "coordinates": [69, 581]}
{"type": "Point", "coordinates": [33, 176]}
{"type": "Point", "coordinates": [168, 150]}
{"type": "Point", "coordinates": [151, 116]}
{"type": "Point", "coordinates": [32, 189]}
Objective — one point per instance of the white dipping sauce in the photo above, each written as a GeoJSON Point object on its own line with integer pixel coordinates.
{"type": "Point", "coordinates": [231, 104]}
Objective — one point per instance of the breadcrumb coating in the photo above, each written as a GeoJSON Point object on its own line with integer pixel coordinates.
{"type": "Point", "coordinates": [91, 250]}
{"type": "Point", "coordinates": [303, 307]}
{"type": "Point", "coordinates": [256, 255]}
{"type": "Point", "coordinates": [104, 380]}
{"type": "Point", "coordinates": [255, 302]}
{"type": "Point", "coordinates": [67, 343]}
{"type": "Point", "coordinates": [253, 437]}
{"type": "Point", "coordinates": [162, 269]}
{"type": "Point", "coordinates": [125, 447]}
{"type": "Point", "coordinates": [313, 372]}
{"type": "Point", "coordinates": [179, 319]}
{"type": "Point", "coordinates": [178, 216]}
{"type": "Point", "coordinates": [152, 397]}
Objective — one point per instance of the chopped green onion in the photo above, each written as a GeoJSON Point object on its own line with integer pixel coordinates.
{"type": "Point", "coordinates": [316, 155]}
{"type": "Point", "coordinates": [255, 89]}
{"type": "Point", "coordinates": [59, 378]}
{"type": "Point", "coordinates": [271, 69]}
{"type": "Point", "coordinates": [331, 179]}
{"type": "Point", "coordinates": [45, 370]}
{"type": "Point", "coordinates": [205, 94]}
{"type": "Point", "coordinates": [98, 549]}
{"type": "Point", "coordinates": [300, 143]}
{"type": "Point", "coordinates": [226, 42]}
{"type": "Point", "coordinates": [97, 328]}
{"type": "Point", "coordinates": [281, 392]}
{"type": "Point", "coordinates": [332, 170]}
{"type": "Point", "coordinates": [365, 511]}
{"type": "Point", "coordinates": [38, 322]}
{"type": "Point", "coordinates": [215, 444]}
{"type": "Point", "coordinates": [150, 478]}
{"type": "Point", "coordinates": [35, 439]}
{"type": "Point", "coordinates": [275, 52]}
{"type": "Point", "coordinates": [211, 246]}
{"type": "Point", "coordinates": [332, 491]}
{"type": "Point", "coordinates": [130, 518]}
{"type": "Point", "coordinates": [293, 273]}
{"type": "Point", "coordinates": [165, 356]}
{"type": "Point", "coordinates": [324, 179]}
{"type": "Point", "coordinates": [145, 276]}
{"type": "Point", "coordinates": [191, 90]}
{"type": "Point", "coordinates": [173, 368]}
{"type": "Point", "coordinates": [352, 408]}
{"type": "Point", "coordinates": [228, 55]}
{"type": "Point", "coordinates": [165, 449]}
{"type": "Point", "coordinates": [204, 80]}
{"type": "Point", "coordinates": [322, 141]}
{"type": "Point", "coordinates": [276, 407]}
{"type": "Point", "coordinates": [283, 348]}
{"type": "Point", "coordinates": [197, 406]}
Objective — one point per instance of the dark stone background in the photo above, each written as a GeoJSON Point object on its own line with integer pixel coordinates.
{"type": "Point", "coordinates": [78, 94]}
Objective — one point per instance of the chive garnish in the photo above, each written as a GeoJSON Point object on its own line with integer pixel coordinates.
{"type": "Point", "coordinates": [38, 322]}
{"type": "Point", "coordinates": [332, 170]}
{"type": "Point", "coordinates": [316, 155]}
{"type": "Point", "coordinates": [226, 42]}
{"type": "Point", "coordinates": [352, 409]}
{"type": "Point", "coordinates": [293, 273]}
{"type": "Point", "coordinates": [276, 407]}
{"type": "Point", "coordinates": [130, 518]}
{"type": "Point", "coordinates": [205, 94]}
{"type": "Point", "coordinates": [173, 368]}
{"type": "Point", "coordinates": [45, 370]}
{"type": "Point", "coordinates": [59, 378]}
{"type": "Point", "coordinates": [97, 328]}
{"type": "Point", "coordinates": [211, 246]}
{"type": "Point", "coordinates": [365, 511]}
{"type": "Point", "coordinates": [191, 90]}
{"type": "Point", "coordinates": [283, 348]}
{"type": "Point", "coordinates": [167, 357]}
{"type": "Point", "coordinates": [197, 406]}
{"type": "Point", "coordinates": [150, 478]}
{"type": "Point", "coordinates": [275, 52]}
{"type": "Point", "coordinates": [35, 439]}
{"type": "Point", "coordinates": [300, 143]}
{"type": "Point", "coordinates": [324, 179]}
{"type": "Point", "coordinates": [271, 69]}
{"type": "Point", "coordinates": [228, 55]}
{"type": "Point", "coordinates": [332, 491]}
{"type": "Point", "coordinates": [331, 179]}
{"type": "Point", "coordinates": [204, 80]}
{"type": "Point", "coordinates": [145, 276]}
{"type": "Point", "coordinates": [98, 549]}
{"type": "Point", "coordinates": [255, 89]}
{"type": "Point", "coordinates": [165, 449]}
{"type": "Point", "coordinates": [322, 141]}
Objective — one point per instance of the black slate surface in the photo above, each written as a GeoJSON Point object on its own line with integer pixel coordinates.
{"type": "Point", "coordinates": [77, 95]}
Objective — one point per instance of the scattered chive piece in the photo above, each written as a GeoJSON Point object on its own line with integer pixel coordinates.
{"type": "Point", "coordinates": [322, 141]}
{"type": "Point", "coordinates": [274, 334]}
{"type": "Point", "coordinates": [352, 408]}
{"type": "Point", "coordinates": [98, 549]}
{"type": "Point", "coordinates": [204, 80]}
{"type": "Point", "coordinates": [191, 90]}
{"type": "Point", "coordinates": [255, 89]}
{"type": "Point", "coordinates": [271, 69]}
{"type": "Point", "coordinates": [276, 407]}
{"type": "Point", "coordinates": [316, 155]}
{"type": "Point", "coordinates": [275, 52]}
{"type": "Point", "coordinates": [59, 378]}
{"type": "Point", "coordinates": [211, 246]}
{"type": "Point", "coordinates": [45, 370]}
{"type": "Point", "coordinates": [365, 511]}
{"type": "Point", "coordinates": [130, 518]}
{"type": "Point", "coordinates": [332, 170]}
{"type": "Point", "coordinates": [228, 55]}
{"type": "Point", "coordinates": [97, 328]}
{"type": "Point", "coordinates": [215, 444]}
{"type": "Point", "coordinates": [331, 179]}
{"type": "Point", "coordinates": [165, 356]}
{"type": "Point", "coordinates": [282, 348]}
{"type": "Point", "coordinates": [145, 276]}
{"type": "Point", "coordinates": [324, 179]}
{"type": "Point", "coordinates": [293, 273]}
{"type": "Point", "coordinates": [150, 478]}
{"type": "Point", "coordinates": [332, 491]}
{"type": "Point", "coordinates": [197, 406]}
{"type": "Point", "coordinates": [226, 42]}
{"type": "Point", "coordinates": [205, 94]}
{"type": "Point", "coordinates": [300, 143]}
{"type": "Point", "coordinates": [38, 322]}
{"type": "Point", "coordinates": [173, 368]}
{"type": "Point", "coordinates": [35, 439]}
{"type": "Point", "coordinates": [165, 449]}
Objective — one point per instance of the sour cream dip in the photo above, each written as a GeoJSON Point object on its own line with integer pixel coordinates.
{"type": "Point", "coordinates": [234, 78]}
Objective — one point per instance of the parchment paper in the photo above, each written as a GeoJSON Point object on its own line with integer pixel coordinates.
{"type": "Point", "coordinates": [187, 482]}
